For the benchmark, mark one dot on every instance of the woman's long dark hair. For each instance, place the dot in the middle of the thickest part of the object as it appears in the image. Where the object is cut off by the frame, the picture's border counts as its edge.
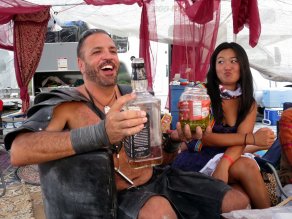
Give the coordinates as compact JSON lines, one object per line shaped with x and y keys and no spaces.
{"x":246,"y":82}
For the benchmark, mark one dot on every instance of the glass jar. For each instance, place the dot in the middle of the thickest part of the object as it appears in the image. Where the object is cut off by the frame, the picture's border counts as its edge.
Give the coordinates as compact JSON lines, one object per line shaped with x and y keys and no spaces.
{"x":194,"y":108}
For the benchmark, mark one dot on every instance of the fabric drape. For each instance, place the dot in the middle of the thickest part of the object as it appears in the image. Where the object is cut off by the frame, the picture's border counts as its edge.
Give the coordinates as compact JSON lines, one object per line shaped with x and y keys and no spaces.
{"x":148,"y":31}
{"x":29,"y":34}
{"x":194,"y":38}
{"x":201,"y":11}
{"x":8,"y":9}
{"x":246,"y":12}
{"x":22,"y":29}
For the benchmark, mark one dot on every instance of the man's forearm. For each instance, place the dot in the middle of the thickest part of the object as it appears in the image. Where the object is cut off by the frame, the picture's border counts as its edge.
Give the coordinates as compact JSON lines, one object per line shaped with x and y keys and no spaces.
{"x":39,"y":147}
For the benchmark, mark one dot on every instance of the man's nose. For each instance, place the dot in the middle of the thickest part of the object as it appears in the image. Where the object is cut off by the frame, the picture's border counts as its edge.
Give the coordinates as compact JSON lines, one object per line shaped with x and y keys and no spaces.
{"x":108,"y":55}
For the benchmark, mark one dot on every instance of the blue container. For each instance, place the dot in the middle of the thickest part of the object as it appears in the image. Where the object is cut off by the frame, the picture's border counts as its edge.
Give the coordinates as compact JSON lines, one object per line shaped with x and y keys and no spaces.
{"x":272,"y":115}
{"x":175,"y":92}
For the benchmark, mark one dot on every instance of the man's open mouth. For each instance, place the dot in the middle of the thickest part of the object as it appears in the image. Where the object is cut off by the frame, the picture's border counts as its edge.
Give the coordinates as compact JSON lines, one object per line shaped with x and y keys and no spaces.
{"x":107,"y":68}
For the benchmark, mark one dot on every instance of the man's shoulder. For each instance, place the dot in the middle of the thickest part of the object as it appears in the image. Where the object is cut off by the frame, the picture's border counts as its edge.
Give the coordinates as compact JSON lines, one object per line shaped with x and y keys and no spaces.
{"x":66,"y":94}
{"x":55,"y":97}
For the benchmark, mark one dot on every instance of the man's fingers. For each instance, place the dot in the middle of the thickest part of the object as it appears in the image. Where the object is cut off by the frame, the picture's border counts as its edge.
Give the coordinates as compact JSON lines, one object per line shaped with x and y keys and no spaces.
{"x":122,"y":101}
{"x":129,"y":123}
{"x":126,"y":115}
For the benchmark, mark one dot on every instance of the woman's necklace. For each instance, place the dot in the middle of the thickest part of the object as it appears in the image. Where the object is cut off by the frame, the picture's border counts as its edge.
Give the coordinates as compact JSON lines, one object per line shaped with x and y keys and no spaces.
{"x":105,"y":107}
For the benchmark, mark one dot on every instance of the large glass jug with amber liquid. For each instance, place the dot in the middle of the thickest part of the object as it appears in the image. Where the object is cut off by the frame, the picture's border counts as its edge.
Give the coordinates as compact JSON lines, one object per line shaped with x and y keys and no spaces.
{"x":144,"y":149}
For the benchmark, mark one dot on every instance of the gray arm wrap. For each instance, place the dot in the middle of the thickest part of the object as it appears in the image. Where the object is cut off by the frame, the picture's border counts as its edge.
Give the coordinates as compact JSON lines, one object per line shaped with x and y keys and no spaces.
{"x":89,"y":138}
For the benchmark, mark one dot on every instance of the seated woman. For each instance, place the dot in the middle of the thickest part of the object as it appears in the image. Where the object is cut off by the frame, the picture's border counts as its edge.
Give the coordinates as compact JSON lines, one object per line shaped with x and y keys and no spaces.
{"x":230,"y":87}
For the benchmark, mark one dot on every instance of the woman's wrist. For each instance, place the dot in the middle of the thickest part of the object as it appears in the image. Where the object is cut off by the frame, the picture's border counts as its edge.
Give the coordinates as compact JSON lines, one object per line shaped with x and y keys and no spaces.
{"x":249,"y":139}
{"x":228,"y":158}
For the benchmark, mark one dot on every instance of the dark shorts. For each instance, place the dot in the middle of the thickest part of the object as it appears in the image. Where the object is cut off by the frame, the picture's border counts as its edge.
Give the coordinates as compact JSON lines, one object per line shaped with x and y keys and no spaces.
{"x":192,"y":195}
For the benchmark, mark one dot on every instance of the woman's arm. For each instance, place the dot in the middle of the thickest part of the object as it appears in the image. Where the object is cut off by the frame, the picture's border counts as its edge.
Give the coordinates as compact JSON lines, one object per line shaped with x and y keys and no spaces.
{"x":231,"y":139}
{"x":236,"y":143}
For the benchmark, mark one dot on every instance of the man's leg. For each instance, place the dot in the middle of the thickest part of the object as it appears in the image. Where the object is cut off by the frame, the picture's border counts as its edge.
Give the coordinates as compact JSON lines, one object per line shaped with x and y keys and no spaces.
{"x":157,"y":207}
{"x":234,"y":200}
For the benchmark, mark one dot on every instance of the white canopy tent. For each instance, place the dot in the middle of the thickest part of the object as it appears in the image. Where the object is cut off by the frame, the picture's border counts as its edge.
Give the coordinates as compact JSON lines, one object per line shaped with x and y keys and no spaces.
{"x":272,"y":57}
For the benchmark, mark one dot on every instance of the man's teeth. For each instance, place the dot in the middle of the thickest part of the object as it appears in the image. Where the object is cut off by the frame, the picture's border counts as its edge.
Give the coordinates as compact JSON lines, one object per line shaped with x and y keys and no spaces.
{"x":107,"y":67}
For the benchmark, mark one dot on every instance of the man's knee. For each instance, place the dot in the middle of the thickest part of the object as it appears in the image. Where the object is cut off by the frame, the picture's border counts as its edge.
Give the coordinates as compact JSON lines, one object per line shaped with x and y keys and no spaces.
{"x":157,"y":207}
{"x":234,"y":200}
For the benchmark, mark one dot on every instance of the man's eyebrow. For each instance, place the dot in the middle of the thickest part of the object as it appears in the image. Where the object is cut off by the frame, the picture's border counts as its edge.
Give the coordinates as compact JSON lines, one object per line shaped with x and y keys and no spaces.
{"x":96,"y":47}
{"x":100,"y":47}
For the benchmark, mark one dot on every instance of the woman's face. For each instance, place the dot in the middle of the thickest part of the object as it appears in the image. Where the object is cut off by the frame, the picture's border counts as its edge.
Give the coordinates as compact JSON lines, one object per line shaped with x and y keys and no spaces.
{"x":228,"y":69}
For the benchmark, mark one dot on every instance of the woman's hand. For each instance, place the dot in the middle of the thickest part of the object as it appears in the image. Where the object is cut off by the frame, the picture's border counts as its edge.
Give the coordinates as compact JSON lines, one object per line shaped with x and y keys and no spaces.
{"x":185,"y":133}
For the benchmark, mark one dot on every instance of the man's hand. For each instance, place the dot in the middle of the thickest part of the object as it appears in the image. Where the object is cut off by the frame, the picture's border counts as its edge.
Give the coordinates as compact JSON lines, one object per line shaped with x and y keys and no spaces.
{"x":119,"y":123}
{"x":264,"y":137}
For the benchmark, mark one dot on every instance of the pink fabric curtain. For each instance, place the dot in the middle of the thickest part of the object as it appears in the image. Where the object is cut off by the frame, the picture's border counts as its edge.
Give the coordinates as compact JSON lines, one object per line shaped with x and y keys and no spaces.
{"x":246,"y":12}
{"x":6,"y":35}
{"x":8,"y":9}
{"x":148,"y":31}
{"x":29,"y":34}
{"x":194,"y":37}
{"x":22,"y":29}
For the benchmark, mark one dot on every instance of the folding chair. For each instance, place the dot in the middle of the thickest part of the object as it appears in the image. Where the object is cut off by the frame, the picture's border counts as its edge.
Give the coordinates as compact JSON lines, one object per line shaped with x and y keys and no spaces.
{"x":270,"y":163}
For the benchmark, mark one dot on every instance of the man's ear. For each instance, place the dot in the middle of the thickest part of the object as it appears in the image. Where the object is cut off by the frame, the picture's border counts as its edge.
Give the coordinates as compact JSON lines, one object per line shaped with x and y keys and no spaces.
{"x":81,"y":64}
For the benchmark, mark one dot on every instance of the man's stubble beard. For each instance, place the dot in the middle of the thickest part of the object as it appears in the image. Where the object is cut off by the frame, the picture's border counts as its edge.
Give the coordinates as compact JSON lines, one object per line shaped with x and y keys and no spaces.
{"x":93,"y":75}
